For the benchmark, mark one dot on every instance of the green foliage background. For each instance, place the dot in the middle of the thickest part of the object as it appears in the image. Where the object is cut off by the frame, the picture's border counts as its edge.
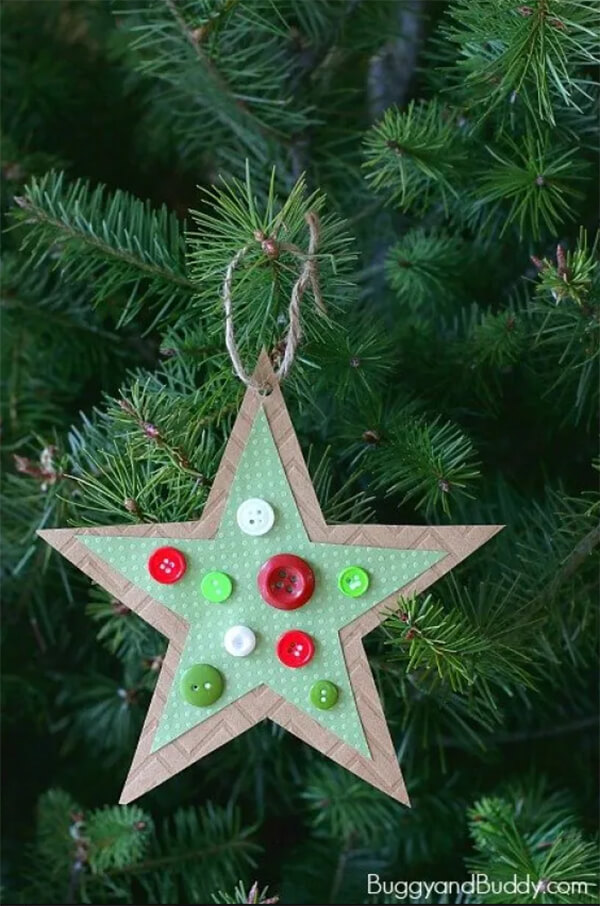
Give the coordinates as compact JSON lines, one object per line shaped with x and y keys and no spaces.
{"x":450,"y":150}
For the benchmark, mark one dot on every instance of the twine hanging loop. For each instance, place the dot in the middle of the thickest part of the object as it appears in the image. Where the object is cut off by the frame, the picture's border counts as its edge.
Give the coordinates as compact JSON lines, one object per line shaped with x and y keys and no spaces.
{"x":309,"y":276}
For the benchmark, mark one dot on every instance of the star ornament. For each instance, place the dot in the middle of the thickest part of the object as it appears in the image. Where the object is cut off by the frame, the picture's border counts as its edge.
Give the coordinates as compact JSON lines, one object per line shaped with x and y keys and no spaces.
{"x":265,"y":606}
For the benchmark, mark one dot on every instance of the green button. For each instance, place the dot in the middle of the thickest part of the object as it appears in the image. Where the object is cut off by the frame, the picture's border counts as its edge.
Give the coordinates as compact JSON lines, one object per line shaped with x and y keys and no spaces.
{"x":324,"y":694}
{"x":353,"y":581}
{"x":216,"y":587}
{"x":201,"y":685}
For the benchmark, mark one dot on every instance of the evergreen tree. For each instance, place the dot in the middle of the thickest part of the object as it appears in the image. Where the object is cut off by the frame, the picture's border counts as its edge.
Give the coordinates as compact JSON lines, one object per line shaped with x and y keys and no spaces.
{"x":450,"y":150}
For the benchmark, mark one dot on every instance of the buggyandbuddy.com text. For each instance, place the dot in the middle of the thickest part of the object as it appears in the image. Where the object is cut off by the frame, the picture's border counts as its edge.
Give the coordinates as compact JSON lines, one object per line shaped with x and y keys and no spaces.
{"x":477,"y":885}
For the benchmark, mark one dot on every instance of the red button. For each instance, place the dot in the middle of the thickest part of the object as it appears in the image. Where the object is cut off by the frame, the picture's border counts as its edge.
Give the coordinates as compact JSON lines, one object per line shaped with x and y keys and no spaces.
{"x":286,"y":581}
{"x":166,"y":565}
{"x":295,"y":648}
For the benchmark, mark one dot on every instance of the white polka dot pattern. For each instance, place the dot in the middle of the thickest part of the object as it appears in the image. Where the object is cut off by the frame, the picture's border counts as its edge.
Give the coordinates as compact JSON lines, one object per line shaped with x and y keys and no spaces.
{"x":260,"y":474}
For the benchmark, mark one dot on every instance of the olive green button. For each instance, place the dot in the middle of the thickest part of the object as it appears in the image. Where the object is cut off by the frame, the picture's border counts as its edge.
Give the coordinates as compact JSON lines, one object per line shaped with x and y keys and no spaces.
{"x":324,"y":694}
{"x":201,"y":685}
{"x":216,"y":587}
{"x":353,"y":581}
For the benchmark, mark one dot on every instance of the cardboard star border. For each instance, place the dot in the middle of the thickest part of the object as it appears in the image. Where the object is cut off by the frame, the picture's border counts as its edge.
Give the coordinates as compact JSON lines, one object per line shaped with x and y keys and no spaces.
{"x":380,"y":767}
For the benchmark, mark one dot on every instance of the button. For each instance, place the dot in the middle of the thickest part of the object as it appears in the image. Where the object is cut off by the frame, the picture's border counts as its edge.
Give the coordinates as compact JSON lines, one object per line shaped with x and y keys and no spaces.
{"x":255,"y":516}
{"x":166,"y":565}
{"x":286,"y":581}
{"x":201,"y":685}
{"x":239,"y":641}
{"x":353,"y":581}
{"x":295,"y":648}
{"x":216,"y":587}
{"x":324,"y":694}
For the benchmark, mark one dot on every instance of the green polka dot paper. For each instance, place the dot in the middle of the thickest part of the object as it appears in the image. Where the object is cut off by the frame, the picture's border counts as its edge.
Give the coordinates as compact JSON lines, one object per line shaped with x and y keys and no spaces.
{"x":260,"y":473}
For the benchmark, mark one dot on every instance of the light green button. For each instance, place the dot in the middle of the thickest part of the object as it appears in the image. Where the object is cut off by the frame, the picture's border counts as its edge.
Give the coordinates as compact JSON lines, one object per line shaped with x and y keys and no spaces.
{"x":216,"y":587}
{"x":353,"y":581}
{"x":324,"y":694}
{"x":201,"y":685}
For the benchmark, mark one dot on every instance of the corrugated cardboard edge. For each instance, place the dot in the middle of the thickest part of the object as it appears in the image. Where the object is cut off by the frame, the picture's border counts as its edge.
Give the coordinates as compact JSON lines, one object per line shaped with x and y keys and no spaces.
{"x":149,"y":769}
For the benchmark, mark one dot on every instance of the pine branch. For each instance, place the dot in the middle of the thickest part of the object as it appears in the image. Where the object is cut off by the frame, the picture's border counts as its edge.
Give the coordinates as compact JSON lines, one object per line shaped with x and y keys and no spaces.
{"x":532,"y":834}
{"x":53,"y":345}
{"x":116,"y":837}
{"x":358,"y":357}
{"x":217,"y":88}
{"x":98,"y":853}
{"x":115,"y":243}
{"x":495,"y":340}
{"x":103,"y":712}
{"x":539,"y":53}
{"x":343,"y":808}
{"x":339,"y":502}
{"x":150,"y":456}
{"x":241,"y":895}
{"x":427,"y":267}
{"x":449,"y":647}
{"x":573,"y":276}
{"x":566,"y":323}
{"x":571,"y":524}
{"x":535,"y":182}
{"x":578,"y":557}
{"x":196,"y":37}
{"x":71,"y":843}
{"x":194,"y":853}
{"x":527,"y":736}
{"x":429,"y":461}
{"x":415,"y":157}
{"x":120,"y":630}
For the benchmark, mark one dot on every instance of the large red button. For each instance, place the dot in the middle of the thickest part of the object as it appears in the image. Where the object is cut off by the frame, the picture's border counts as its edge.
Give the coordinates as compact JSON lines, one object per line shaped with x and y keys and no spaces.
{"x":286,"y":581}
{"x":295,"y":648}
{"x":166,"y":565}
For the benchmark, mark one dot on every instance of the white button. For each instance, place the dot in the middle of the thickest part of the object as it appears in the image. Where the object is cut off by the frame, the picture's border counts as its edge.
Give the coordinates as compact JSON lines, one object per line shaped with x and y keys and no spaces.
{"x":255,"y":516}
{"x":239,"y":641}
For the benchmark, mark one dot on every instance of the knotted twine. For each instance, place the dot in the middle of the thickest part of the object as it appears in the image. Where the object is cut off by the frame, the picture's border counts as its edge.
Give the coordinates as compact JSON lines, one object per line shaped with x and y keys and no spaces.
{"x":309,"y":276}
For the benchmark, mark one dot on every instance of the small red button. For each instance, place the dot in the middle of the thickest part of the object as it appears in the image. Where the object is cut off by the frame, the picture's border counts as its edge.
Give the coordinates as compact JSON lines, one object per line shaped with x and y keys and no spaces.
{"x":166,"y":565}
{"x":295,"y":648}
{"x":286,"y":581}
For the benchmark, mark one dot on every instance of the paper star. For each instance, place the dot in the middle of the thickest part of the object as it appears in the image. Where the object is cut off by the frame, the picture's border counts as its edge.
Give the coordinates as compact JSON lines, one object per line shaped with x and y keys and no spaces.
{"x":326,"y":696}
